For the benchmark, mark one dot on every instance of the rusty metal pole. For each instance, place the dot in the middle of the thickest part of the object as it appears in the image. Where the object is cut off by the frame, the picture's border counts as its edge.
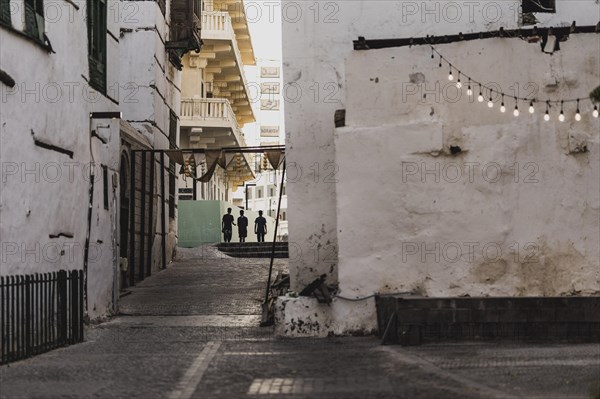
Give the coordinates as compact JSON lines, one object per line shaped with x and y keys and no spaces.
{"x":265,"y":314}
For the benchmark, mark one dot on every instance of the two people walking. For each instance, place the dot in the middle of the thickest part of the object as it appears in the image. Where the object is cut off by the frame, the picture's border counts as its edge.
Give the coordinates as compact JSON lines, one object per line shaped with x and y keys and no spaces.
{"x":227,"y":223}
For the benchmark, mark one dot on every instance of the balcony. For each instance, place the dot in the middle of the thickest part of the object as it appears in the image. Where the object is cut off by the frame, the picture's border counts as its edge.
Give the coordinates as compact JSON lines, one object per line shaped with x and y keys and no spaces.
{"x":211,"y":123}
{"x":211,"y":113}
{"x":219,"y":66}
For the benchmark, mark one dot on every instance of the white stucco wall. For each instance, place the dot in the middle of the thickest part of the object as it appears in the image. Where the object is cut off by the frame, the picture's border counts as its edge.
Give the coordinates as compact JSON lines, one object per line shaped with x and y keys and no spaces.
{"x":44,"y":193}
{"x":317,"y":42}
{"x":516,"y":213}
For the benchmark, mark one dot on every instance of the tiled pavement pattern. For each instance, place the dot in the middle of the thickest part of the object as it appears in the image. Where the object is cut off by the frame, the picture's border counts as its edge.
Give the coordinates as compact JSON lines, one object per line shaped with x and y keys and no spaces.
{"x":190,"y":332}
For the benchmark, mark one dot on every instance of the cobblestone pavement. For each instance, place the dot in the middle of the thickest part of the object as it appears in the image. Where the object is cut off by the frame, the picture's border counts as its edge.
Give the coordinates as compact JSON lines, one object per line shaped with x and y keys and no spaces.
{"x":191,"y":332}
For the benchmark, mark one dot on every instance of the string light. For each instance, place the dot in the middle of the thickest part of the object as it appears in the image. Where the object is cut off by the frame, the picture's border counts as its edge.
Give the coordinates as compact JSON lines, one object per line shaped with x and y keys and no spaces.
{"x":516,"y":111}
{"x":561,"y":117}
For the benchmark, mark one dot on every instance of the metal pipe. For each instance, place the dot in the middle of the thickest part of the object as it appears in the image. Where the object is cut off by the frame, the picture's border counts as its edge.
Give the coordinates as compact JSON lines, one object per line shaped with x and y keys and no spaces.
{"x":275,"y":236}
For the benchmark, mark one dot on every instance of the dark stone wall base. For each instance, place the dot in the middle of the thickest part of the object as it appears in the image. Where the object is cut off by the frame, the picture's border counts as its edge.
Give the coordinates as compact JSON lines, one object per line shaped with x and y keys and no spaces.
{"x":416,"y":320}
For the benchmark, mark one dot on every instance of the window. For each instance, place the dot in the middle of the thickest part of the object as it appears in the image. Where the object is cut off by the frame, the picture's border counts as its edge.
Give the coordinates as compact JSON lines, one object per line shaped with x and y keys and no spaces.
{"x":271,"y":191}
{"x":283,"y":190}
{"x":259,"y":192}
{"x":34,"y":19}
{"x":548,"y":6}
{"x":96,"y":21}
{"x":249,"y":191}
{"x":283,"y":215}
{"x":5,"y":12}
{"x":105,"y":184}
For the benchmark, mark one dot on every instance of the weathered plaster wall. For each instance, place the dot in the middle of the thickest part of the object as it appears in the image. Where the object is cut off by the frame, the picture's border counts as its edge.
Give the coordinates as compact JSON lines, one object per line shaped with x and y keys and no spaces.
{"x":150,"y":89}
{"x":317,"y":40}
{"x":44,"y":193}
{"x":515,"y":213}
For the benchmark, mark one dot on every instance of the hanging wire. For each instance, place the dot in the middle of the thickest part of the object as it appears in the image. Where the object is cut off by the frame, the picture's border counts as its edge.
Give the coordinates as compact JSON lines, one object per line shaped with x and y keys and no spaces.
{"x":517,"y":98}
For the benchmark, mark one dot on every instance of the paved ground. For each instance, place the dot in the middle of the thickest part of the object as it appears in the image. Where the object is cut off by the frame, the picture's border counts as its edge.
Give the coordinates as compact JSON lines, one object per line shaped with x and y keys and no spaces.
{"x":191,"y":332}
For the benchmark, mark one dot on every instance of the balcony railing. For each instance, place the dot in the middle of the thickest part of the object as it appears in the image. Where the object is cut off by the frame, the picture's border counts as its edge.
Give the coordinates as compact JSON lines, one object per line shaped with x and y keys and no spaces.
{"x":216,"y":112}
{"x":217,"y":25}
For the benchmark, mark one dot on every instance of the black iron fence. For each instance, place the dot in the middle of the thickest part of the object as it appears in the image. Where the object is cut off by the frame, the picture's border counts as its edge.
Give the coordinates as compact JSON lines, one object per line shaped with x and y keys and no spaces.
{"x":40,"y":312}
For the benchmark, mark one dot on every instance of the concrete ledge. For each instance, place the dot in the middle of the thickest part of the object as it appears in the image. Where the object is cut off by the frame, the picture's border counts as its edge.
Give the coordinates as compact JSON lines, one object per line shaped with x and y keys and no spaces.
{"x":305,"y":317}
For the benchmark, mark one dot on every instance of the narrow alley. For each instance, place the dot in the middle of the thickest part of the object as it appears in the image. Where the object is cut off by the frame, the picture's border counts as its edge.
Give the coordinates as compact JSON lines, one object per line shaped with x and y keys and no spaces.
{"x":191,"y":331}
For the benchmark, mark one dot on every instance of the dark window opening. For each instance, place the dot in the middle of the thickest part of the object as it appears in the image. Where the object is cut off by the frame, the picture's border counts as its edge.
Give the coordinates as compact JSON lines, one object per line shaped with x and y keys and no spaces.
{"x":34,"y":19}
{"x":162,"y":4}
{"x":548,"y":6}
{"x":105,"y":183}
{"x":5,"y":12}
{"x":172,"y":176}
{"x":96,"y":21}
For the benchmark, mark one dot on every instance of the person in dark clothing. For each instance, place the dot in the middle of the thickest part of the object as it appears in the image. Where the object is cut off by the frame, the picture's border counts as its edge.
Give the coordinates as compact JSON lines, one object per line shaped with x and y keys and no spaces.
{"x":242,"y":226}
{"x":260,"y":227}
{"x":226,"y":225}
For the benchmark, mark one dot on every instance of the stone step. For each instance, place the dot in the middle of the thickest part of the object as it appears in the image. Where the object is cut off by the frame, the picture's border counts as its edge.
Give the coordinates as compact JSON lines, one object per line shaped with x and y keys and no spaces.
{"x":251,"y":244}
{"x":254,"y":249}
{"x":263,"y":254}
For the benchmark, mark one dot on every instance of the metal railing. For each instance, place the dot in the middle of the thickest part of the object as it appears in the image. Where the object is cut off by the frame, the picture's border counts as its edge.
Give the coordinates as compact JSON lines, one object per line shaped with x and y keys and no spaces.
{"x":40,"y":312}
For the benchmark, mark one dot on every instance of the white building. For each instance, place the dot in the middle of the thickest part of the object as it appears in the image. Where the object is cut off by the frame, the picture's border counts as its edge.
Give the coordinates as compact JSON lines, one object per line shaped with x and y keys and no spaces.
{"x":91,"y":84}
{"x":262,"y":193}
{"x":264,"y":196}
{"x":215,"y":103}
{"x":377,"y":233}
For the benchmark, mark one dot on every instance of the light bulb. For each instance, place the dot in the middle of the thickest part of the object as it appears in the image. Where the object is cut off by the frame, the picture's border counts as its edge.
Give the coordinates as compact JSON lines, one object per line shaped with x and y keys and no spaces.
{"x":516,"y":111}
{"x":450,"y":76}
{"x":490,"y":103}
{"x":561,"y":117}
{"x":469,"y":91}
{"x":595,"y":112}
{"x":502,"y":108}
{"x":547,"y":117}
{"x":480,"y":98}
{"x":578,"y":116}
{"x":531,"y":108}
{"x":459,"y":84}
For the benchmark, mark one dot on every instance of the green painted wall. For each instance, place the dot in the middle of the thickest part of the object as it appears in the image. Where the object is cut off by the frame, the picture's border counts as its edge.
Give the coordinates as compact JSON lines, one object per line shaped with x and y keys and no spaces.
{"x":200,"y":223}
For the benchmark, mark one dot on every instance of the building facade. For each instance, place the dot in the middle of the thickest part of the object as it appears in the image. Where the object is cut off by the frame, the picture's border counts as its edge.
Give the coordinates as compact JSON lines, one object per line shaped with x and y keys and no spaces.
{"x":377,"y":233}
{"x":103,"y":81}
{"x":216,"y":100}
